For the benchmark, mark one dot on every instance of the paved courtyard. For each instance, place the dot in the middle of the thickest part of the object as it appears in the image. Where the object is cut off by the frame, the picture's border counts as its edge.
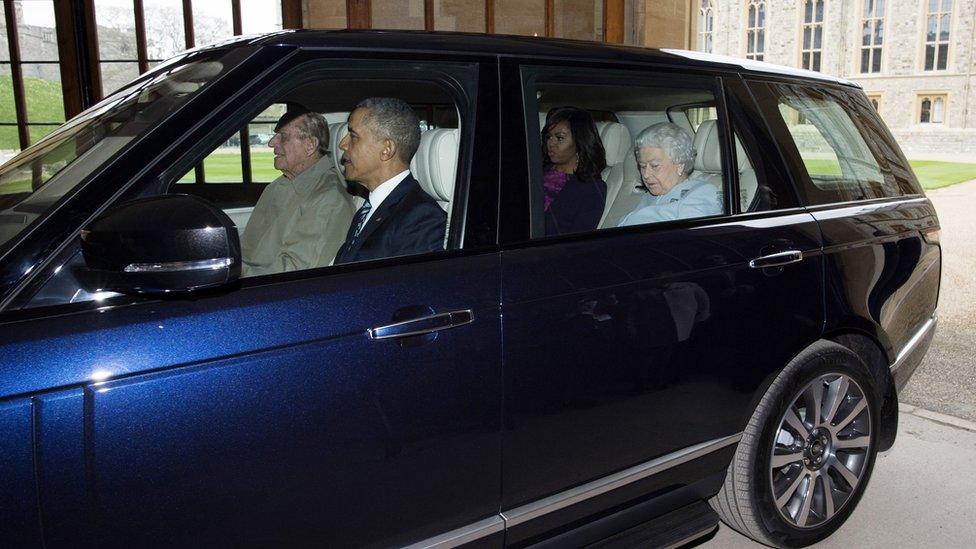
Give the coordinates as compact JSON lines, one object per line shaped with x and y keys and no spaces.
{"x":919,"y":496}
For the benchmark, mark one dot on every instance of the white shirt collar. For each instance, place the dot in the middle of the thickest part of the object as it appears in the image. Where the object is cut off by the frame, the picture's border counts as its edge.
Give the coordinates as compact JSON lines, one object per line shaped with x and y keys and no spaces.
{"x":380,"y":193}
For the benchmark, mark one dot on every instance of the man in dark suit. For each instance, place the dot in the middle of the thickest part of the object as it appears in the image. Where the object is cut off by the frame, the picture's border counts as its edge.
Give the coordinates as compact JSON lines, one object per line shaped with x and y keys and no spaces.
{"x":398,"y":218}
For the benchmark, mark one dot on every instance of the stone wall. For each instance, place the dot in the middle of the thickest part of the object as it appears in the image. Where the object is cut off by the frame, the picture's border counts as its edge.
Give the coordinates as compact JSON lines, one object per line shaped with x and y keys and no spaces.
{"x":902,"y":78}
{"x":924,"y":142}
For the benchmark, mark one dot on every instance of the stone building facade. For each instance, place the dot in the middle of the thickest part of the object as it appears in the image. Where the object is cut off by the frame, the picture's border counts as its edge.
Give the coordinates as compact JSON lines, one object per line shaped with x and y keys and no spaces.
{"x":917,"y":62}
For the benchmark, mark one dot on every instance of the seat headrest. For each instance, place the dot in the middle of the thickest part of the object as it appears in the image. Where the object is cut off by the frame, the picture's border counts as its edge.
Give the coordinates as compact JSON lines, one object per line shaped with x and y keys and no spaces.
{"x":708,"y":152}
{"x":336,"y":132}
{"x":435,"y":163}
{"x":616,"y":141}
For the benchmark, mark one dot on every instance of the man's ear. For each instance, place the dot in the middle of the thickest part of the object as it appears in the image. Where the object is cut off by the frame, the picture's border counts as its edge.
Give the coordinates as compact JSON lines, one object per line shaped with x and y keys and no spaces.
{"x":311,"y":145}
{"x":389,"y":149}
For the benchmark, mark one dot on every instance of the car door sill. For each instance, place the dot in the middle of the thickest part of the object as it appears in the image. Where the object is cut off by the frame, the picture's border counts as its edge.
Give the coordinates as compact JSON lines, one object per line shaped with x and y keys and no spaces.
{"x":530,"y":511}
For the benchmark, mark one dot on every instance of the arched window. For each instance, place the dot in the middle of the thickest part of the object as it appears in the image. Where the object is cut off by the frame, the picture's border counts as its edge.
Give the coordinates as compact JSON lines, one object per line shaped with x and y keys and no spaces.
{"x":938,"y":110}
{"x":813,"y":23}
{"x":706,"y":25}
{"x":932,"y":108}
{"x":755,"y":29}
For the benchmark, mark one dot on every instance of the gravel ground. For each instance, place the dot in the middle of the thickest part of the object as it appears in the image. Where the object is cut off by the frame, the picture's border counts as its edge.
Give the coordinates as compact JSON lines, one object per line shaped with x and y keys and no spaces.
{"x":945,"y":381}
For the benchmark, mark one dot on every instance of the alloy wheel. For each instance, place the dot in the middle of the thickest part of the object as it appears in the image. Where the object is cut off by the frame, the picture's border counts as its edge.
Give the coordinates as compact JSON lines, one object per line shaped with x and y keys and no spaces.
{"x":820,"y":451}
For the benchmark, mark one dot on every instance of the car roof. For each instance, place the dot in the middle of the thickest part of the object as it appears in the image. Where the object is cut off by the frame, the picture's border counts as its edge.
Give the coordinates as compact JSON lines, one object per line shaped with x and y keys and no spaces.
{"x":522,"y":46}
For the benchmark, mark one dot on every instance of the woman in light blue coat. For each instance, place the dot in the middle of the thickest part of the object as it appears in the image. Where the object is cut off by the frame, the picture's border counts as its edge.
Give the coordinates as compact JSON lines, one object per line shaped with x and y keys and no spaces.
{"x":666,"y":156}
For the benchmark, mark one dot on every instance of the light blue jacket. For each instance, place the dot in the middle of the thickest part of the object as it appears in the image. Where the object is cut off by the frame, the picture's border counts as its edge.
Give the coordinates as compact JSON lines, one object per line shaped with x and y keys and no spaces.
{"x":690,"y":198}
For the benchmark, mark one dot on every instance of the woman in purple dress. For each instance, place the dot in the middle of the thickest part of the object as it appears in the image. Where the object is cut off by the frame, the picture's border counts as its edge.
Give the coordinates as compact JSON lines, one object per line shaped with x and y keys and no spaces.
{"x":573,"y":157}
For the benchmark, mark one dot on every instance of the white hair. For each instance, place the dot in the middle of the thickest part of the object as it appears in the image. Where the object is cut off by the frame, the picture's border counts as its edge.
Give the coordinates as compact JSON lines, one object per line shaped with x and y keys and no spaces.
{"x":673,"y":140}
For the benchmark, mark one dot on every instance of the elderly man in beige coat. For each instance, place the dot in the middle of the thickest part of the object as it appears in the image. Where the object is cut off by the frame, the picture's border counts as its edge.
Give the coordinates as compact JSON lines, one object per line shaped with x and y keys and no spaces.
{"x":301,"y":219}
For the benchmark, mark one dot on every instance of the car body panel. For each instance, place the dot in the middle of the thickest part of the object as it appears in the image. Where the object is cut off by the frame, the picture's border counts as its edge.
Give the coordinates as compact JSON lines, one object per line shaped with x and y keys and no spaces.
{"x":251,"y":406}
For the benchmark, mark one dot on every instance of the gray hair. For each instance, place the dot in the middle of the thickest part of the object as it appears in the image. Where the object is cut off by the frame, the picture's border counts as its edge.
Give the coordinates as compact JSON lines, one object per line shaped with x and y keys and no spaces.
{"x":314,"y":125}
{"x":394,"y":119}
{"x":673,"y":139}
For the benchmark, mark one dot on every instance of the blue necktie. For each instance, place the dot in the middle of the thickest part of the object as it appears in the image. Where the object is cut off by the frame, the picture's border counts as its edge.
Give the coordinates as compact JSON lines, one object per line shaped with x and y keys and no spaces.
{"x":361,"y":217}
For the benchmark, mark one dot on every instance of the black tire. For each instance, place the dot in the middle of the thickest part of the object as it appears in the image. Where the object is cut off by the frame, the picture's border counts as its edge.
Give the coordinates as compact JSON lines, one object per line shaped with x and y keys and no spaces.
{"x":748,"y":502}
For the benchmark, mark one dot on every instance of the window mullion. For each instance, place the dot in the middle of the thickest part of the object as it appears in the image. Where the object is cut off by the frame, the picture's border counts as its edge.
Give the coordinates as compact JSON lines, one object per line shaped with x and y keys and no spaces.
{"x":188,"y":34}
{"x":236,"y":11}
{"x":550,"y":18}
{"x":140,"y":16}
{"x":17,"y":74}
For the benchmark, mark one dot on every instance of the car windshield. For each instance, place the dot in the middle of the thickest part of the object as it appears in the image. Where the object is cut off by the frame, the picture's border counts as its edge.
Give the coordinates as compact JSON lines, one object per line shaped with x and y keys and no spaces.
{"x":32,"y":182}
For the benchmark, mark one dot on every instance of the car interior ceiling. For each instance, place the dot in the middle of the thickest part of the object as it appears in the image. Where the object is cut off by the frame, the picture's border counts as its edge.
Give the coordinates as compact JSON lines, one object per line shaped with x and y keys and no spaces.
{"x":618,"y":98}
{"x":343,"y":95}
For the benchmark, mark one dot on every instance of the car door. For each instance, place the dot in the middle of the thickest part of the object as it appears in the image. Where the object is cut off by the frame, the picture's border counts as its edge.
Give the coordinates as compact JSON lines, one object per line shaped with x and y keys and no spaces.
{"x":880,"y":233}
{"x":348,"y":405}
{"x":633,"y":355}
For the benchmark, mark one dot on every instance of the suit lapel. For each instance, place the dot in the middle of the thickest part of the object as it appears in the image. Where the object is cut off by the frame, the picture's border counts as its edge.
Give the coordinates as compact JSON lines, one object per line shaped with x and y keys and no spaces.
{"x":380,"y":215}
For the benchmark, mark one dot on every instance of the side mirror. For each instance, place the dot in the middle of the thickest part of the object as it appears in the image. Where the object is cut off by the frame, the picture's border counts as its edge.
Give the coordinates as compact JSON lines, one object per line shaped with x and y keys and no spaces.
{"x":160,"y":244}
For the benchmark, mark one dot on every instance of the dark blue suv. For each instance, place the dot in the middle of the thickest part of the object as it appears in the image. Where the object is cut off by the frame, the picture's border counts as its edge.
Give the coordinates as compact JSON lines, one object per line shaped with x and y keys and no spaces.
{"x":630,"y":381}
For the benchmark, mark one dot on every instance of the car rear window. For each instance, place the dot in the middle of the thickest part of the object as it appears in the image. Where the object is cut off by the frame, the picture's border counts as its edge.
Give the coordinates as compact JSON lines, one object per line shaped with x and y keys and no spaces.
{"x":845,"y":155}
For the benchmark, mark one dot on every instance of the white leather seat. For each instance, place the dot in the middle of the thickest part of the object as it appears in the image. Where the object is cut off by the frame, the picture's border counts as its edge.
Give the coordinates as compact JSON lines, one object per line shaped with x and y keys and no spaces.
{"x":435,"y":165}
{"x":708,"y":163}
{"x":748,"y":184}
{"x":336,"y":132}
{"x":619,"y":149}
{"x":708,"y":155}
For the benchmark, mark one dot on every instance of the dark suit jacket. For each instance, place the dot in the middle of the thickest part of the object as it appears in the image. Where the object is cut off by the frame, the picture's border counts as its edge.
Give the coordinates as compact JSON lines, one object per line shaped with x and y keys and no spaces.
{"x":577,"y":208}
{"x":408,"y":222}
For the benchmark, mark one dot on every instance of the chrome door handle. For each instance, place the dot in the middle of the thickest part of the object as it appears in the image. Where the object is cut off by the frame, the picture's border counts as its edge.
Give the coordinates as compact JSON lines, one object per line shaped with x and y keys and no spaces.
{"x":776,"y":260}
{"x":422,"y":325}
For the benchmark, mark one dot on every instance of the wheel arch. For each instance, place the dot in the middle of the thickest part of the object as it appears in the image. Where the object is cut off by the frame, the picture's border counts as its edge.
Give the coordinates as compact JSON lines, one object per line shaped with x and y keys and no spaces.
{"x":872,"y":354}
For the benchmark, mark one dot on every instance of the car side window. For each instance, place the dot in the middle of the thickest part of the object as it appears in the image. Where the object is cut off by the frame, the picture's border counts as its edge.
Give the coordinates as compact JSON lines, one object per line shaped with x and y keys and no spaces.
{"x":818,"y":128}
{"x":754,"y":193}
{"x":234,"y":174}
{"x":291,"y":172}
{"x":315,"y":189}
{"x":607,"y":155}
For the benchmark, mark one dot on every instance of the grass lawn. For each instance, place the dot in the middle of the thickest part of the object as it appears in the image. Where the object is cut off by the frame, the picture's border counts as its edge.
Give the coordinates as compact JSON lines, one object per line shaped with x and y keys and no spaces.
{"x":225,"y":167}
{"x":933,"y":174}
{"x":44,"y":104}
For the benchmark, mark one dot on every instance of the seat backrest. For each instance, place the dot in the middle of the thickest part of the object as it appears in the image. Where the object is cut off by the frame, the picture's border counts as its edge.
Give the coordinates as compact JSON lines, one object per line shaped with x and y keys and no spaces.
{"x":708,"y":163}
{"x":708,"y":154}
{"x":619,"y":149}
{"x":336,"y":132}
{"x":435,"y":165}
{"x":748,"y":184}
